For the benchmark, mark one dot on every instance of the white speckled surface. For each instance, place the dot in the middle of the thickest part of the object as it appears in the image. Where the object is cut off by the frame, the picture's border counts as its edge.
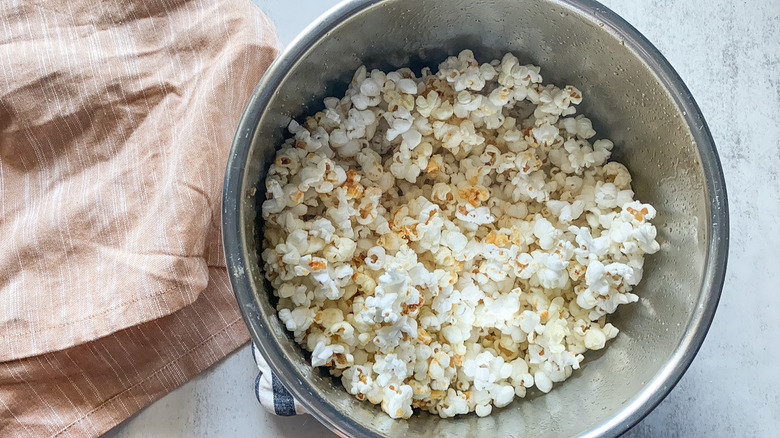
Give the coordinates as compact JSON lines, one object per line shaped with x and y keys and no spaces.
{"x":728,"y":53}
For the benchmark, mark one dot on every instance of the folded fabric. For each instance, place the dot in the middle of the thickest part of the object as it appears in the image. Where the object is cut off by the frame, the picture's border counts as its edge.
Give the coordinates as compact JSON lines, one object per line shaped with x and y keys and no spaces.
{"x":115,"y":124}
{"x":270,"y":392}
{"x":116,"y":119}
{"x":85,"y":390}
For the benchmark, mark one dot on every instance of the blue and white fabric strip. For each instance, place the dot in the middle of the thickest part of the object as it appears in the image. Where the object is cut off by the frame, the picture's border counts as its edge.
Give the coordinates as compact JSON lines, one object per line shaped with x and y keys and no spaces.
{"x":270,"y":392}
{"x":284,"y":404}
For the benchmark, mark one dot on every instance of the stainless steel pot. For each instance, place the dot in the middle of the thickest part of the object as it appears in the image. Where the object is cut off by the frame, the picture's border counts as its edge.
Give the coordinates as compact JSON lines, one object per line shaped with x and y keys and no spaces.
{"x":633,"y":96}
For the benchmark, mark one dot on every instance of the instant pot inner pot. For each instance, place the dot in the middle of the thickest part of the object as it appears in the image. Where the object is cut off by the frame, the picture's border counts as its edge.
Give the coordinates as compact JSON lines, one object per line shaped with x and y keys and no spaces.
{"x":626,"y":102}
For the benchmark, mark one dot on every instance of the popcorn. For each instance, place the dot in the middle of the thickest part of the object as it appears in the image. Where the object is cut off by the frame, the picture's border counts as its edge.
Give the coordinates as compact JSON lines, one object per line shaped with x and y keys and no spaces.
{"x":545,"y":232}
{"x":477,"y":216}
{"x":618,"y":174}
{"x":323,"y":353}
{"x":397,"y":401}
{"x":375,"y":258}
{"x":407,"y":86}
{"x":370,"y":87}
{"x":545,"y":134}
{"x":543,"y":381}
{"x":565,"y":211}
{"x":341,"y":249}
{"x":595,"y":339}
{"x":438,"y":253}
{"x":645,"y":238}
{"x":298,"y":320}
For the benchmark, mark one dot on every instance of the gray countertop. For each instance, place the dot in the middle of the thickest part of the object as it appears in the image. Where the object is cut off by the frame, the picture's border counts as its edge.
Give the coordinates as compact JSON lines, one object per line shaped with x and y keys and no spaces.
{"x":728,"y":53}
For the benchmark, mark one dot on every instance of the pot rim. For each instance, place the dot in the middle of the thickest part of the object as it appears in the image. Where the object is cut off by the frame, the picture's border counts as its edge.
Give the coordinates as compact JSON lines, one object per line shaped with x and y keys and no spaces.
{"x":718,"y":219}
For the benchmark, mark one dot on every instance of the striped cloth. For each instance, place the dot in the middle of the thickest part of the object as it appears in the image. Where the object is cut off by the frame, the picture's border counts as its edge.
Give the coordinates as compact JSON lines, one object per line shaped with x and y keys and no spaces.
{"x":116,"y":119}
{"x":270,"y":392}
